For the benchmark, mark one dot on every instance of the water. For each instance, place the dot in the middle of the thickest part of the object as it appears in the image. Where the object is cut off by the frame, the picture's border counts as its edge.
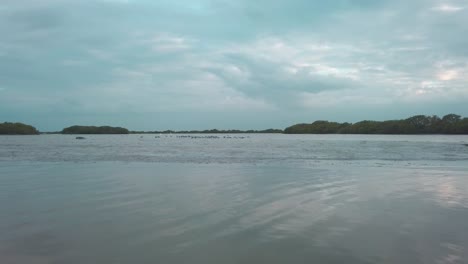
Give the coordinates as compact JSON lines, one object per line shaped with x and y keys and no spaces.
{"x":260,"y":199}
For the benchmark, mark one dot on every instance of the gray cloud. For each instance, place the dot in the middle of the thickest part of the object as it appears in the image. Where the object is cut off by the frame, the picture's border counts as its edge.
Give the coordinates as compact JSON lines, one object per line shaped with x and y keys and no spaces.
{"x":107,"y":57}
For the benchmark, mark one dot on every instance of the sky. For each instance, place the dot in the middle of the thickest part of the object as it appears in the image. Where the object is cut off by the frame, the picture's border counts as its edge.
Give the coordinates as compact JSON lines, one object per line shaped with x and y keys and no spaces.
{"x":230,"y":64}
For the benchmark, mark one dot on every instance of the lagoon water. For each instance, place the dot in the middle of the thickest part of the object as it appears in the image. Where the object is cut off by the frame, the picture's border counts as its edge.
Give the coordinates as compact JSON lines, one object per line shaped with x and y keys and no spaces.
{"x":259,"y":199}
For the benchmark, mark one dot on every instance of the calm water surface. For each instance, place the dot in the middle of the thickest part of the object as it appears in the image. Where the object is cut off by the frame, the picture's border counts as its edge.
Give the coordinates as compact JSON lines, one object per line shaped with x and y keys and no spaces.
{"x":258,"y":199}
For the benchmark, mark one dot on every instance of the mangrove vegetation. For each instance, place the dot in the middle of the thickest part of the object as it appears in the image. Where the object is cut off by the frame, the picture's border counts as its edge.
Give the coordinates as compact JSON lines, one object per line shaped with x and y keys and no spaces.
{"x":94,"y":130}
{"x":420,"y":124}
{"x":17,"y":129}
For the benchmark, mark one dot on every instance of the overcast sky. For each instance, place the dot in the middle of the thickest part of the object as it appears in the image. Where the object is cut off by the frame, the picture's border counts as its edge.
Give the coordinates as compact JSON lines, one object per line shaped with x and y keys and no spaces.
{"x":197,"y":64}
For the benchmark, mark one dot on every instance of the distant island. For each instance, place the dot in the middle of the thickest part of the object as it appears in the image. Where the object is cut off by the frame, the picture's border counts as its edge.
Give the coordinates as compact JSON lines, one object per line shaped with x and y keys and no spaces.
{"x":94,"y":130}
{"x":420,"y":124}
{"x":17,"y":129}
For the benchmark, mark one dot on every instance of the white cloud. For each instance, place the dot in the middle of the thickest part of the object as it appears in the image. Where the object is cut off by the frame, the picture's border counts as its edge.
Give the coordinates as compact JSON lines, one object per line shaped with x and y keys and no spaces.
{"x":325,"y":70}
{"x":298,"y":54}
{"x":447,"y":75}
{"x":448,"y":8}
{"x":170,"y":43}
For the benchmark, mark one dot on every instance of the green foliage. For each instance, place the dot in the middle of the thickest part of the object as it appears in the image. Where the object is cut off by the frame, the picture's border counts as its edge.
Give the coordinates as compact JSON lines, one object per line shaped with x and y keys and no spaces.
{"x":318,"y":127}
{"x":17,"y":129}
{"x":94,"y":130}
{"x":420,"y":124}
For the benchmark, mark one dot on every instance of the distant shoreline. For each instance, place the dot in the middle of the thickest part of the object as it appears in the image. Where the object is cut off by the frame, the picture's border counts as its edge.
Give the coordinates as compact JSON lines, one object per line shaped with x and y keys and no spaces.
{"x":451,"y":124}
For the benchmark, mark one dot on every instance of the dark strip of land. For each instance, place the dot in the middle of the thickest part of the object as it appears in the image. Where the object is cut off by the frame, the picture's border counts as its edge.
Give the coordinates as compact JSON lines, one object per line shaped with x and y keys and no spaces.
{"x":451,"y":124}
{"x":95,"y":130}
{"x":8,"y":128}
{"x":420,"y":124}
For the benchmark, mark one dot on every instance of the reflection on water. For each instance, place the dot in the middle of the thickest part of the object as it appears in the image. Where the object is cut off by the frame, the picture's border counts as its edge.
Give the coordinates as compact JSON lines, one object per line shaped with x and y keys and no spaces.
{"x":187,"y":213}
{"x":252,"y":205}
{"x":450,"y":194}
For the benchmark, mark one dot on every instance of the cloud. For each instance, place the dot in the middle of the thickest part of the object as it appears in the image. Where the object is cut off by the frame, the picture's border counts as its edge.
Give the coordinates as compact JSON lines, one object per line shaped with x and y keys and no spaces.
{"x":330,"y":99}
{"x":448,"y":8}
{"x":169,"y":43}
{"x":204,"y":93}
{"x":146,"y":56}
{"x":447,"y":75}
{"x":274,"y":63}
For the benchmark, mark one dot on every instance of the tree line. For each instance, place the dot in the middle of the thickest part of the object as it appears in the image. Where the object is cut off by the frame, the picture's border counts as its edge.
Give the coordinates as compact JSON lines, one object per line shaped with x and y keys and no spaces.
{"x":8,"y":128}
{"x":419,"y":124}
{"x":94,"y":130}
